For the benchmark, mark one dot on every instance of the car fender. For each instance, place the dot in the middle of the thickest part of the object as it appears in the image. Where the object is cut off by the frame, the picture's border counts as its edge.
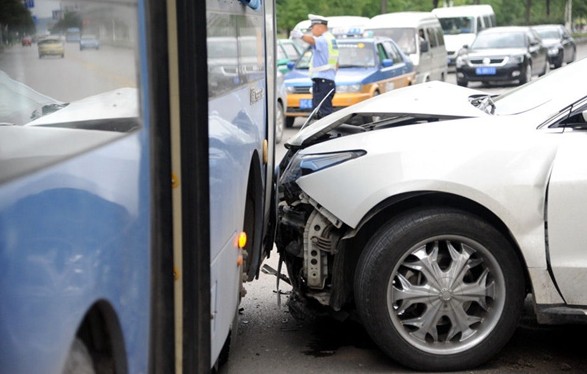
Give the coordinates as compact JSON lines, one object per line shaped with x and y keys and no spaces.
{"x":395,"y":165}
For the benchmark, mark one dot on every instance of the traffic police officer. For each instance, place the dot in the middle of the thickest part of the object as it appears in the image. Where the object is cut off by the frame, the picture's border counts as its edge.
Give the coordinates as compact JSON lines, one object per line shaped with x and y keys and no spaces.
{"x":324,"y":62}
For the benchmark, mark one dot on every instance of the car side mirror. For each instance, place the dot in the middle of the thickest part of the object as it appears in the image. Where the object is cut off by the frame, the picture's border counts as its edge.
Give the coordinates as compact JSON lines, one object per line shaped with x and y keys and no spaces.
{"x":290,"y":65}
{"x":387,"y":62}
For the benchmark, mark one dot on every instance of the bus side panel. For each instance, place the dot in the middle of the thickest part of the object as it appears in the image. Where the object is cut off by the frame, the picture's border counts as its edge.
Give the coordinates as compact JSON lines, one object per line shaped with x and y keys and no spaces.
{"x":237,"y":128}
{"x":72,"y":235}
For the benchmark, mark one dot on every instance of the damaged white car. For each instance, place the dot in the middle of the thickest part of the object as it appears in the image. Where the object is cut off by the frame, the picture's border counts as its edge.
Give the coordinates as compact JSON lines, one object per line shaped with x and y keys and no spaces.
{"x":430,"y":213}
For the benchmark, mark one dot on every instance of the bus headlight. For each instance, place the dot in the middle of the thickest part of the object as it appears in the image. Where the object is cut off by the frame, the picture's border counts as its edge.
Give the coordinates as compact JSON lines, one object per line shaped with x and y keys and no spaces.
{"x":347,"y":88}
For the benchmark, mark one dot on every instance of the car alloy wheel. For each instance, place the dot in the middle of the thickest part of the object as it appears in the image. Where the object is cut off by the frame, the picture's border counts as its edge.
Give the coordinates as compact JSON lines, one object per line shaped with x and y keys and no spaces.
{"x":439,"y":289}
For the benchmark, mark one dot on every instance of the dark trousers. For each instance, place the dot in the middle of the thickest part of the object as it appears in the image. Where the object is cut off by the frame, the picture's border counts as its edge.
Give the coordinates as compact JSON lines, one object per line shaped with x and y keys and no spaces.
{"x":321,"y":88}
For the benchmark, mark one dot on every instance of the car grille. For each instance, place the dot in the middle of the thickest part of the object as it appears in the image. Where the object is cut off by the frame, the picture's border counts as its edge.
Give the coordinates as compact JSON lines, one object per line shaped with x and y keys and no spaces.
{"x":488,"y":61}
{"x":301,"y":89}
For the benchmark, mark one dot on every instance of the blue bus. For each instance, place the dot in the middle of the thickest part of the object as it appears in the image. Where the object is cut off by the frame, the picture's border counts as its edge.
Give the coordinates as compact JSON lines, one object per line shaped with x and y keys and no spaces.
{"x":136,"y":195}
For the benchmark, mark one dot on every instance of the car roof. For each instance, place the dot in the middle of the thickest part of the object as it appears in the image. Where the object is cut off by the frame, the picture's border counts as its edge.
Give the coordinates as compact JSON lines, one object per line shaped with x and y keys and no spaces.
{"x":502,"y":29}
{"x":463,"y":10}
{"x":372,"y":39}
{"x":401,"y":19}
{"x":548,"y":26}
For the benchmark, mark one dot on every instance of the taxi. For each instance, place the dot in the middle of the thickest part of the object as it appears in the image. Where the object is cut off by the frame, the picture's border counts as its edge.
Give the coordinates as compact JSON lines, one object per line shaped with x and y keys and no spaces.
{"x":367,"y":67}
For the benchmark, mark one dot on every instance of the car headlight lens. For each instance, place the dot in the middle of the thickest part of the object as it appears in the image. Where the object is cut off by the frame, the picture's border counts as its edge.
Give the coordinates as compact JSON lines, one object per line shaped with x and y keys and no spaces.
{"x":348,"y":88}
{"x":290,"y":89}
{"x":517,"y":59}
{"x":553,"y":51}
{"x":301,"y":165}
{"x":460,"y":61}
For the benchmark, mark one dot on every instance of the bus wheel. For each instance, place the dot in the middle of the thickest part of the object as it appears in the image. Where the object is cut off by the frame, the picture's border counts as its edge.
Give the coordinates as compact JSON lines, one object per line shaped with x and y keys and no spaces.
{"x":79,"y":360}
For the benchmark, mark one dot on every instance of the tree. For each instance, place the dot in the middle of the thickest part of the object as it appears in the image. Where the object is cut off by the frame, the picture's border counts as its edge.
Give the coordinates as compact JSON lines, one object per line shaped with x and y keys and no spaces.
{"x":15,"y":18}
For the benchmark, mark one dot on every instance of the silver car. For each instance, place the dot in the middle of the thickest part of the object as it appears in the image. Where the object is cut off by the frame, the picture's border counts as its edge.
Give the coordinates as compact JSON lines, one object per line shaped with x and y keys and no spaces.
{"x":432,"y":212}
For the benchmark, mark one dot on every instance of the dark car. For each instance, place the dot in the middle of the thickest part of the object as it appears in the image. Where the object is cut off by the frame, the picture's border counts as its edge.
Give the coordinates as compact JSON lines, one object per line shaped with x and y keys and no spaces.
{"x":503,"y":54}
{"x":561,"y":45}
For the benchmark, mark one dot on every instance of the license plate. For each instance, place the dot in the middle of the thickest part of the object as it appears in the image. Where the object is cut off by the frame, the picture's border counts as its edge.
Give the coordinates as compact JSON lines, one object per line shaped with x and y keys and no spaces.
{"x":486,"y":70}
{"x":305,"y":103}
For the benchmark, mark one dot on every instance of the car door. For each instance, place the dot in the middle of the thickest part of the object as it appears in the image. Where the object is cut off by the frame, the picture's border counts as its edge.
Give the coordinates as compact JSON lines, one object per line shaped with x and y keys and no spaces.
{"x":537,"y":51}
{"x":568,"y":45}
{"x":566,"y":213}
{"x":398,"y":74}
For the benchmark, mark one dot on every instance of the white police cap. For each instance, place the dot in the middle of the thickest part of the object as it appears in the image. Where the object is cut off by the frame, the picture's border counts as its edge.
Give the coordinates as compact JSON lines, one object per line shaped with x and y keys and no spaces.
{"x":316,"y":19}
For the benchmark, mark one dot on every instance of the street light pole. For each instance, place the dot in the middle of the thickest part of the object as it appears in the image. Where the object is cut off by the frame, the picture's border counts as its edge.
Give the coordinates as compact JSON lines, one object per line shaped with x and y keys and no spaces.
{"x":569,"y":15}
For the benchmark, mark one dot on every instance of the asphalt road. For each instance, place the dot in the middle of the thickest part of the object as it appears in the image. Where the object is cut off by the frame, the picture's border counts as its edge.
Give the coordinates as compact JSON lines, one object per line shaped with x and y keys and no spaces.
{"x":269,"y":340}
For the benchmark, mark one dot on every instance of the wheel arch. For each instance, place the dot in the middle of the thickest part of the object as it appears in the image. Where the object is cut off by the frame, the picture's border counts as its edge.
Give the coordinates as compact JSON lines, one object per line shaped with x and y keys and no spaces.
{"x":253,"y":216}
{"x":101,"y":332}
{"x":396,"y":205}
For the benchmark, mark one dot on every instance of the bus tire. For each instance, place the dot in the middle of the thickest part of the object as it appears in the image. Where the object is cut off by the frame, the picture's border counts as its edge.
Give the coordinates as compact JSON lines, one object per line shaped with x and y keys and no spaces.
{"x":79,"y":360}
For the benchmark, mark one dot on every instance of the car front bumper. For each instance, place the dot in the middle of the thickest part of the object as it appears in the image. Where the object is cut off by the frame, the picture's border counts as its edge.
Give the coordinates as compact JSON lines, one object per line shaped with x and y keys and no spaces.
{"x":479,"y":73}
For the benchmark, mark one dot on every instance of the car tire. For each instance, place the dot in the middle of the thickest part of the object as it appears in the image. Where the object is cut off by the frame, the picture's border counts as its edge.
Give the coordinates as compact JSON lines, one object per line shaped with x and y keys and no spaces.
{"x":574,"y":56}
{"x":462,"y":82}
{"x":79,"y":360}
{"x":546,"y":69}
{"x":279,"y":122}
{"x":289,"y":122}
{"x":439,"y":289}
{"x":527,"y":76}
{"x":559,"y":62}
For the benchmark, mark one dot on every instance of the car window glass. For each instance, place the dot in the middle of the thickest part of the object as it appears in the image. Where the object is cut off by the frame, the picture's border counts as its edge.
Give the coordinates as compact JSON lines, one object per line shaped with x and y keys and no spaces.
{"x":431,"y":37}
{"x":60,"y":91}
{"x":404,"y":37}
{"x":290,"y":51}
{"x":382,"y":52}
{"x":356,"y":54}
{"x":393,"y":52}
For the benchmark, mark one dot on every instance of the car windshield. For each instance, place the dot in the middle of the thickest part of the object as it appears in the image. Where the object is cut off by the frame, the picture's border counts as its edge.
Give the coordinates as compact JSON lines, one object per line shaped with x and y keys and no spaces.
{"x":404,"y":37}
{"x":499,"y":40}
{"x":288,"y":50}
{"x":457,"y":25}
{"x":50,"y":41}
{"x":355,"y":54}
{"x":548,"y":33}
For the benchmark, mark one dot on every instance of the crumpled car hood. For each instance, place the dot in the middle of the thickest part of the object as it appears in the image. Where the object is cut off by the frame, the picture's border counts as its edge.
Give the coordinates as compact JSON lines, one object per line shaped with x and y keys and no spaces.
{"x":431,"y":98}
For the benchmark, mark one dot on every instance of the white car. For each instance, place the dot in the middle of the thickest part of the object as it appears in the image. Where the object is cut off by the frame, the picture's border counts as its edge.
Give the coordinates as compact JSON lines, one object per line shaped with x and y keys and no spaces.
{"x":437,"y":220}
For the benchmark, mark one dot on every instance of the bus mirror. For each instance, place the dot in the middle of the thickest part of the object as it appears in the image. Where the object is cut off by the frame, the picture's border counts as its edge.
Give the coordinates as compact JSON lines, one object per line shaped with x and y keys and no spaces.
{"x":387,"y":62}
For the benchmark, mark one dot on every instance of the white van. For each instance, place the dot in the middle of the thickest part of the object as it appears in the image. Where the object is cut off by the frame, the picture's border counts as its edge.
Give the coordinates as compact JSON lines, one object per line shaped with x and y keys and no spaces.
{"x":461,"y":24}
{"x":420,"y":36}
